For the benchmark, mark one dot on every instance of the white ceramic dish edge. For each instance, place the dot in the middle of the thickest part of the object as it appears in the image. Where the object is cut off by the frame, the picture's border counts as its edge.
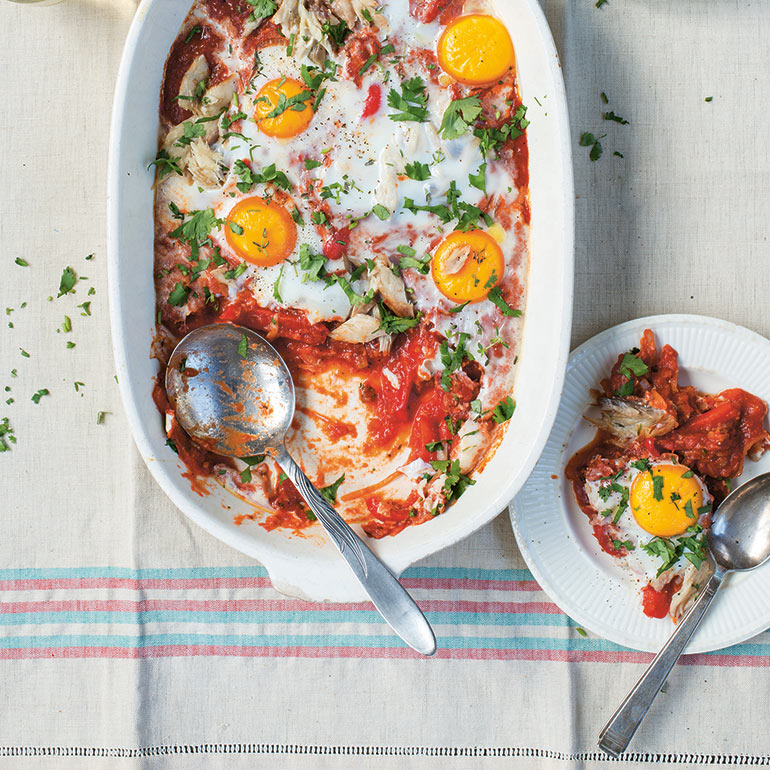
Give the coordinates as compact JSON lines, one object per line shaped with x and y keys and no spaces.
{"x":307,"y":566}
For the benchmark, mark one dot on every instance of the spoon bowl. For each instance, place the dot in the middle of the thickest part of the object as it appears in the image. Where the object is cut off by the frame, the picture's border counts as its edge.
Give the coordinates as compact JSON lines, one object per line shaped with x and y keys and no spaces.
{"x":739,"y":540}
{"x":233,"y":393}
{"x":231,"y":390}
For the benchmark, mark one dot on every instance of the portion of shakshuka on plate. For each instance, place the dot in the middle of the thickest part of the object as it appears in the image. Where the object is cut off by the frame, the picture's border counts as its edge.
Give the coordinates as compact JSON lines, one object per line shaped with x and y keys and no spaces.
{"x":662,"y":459}
{"x":350,"y":179}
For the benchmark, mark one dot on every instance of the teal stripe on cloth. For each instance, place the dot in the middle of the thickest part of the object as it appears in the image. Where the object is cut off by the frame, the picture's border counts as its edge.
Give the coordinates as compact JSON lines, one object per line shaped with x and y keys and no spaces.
{"x":176,"y":573}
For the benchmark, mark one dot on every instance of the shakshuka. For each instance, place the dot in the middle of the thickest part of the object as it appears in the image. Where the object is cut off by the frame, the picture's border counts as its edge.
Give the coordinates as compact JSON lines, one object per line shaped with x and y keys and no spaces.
{"x":349,"y":178}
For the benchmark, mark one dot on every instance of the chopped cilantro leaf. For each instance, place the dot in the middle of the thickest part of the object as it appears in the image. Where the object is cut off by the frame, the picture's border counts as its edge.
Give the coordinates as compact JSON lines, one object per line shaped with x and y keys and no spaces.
{"x":178,"y":295}
{"x":504,"y":410}
{"x":495,"y":296}
{"x":411,"y":102}
{"x":330,"y":492}
{"x":417,"y":170}
{"x":243,"y":346}
{"x":68,"y":279}
{"x":39,"y":394}
{"x":459,"y":116}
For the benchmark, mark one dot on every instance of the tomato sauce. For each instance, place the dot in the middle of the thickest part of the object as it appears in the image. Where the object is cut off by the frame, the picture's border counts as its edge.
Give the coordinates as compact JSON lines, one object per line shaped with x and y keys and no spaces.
{"x":656,"y":603}
{"x":394,"y":384}
{"x":204,"y":42}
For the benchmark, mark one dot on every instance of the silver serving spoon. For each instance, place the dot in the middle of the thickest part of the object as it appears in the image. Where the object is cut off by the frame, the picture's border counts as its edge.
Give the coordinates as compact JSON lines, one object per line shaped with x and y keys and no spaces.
{"x":233,"y":393}
{"x":739,"y":540}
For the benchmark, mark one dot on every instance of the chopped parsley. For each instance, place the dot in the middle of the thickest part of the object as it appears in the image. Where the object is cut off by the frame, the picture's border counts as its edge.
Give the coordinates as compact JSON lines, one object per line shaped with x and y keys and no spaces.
{"x":249,"y":177}
{"x":411,"y":102}
{"x":296,"y":103}
{"x":178,"y":295}
{"x":657,"y":487}
{"x":692,"y":547}
{"x":277,"y":287}
{"x":420,"y":264}
{"x":311,"y":164}
{"x":380,"y":211}
{"x":312,"y":264}
{"x":165,"y":164}
{"x":632,"y":366}
{"x":504,"y":410}
{"x":6,"y":435}
{"x":67,"y":281}
{"x":459,"y":116}
{"x":195,"y":229}
{"x":417,"y":170}
{"x":330,"y":492}
{"x":616,"y":118}
{"x":250,"y":462}
{"x":100,"y":417}
{"x":456,"y":482}
{"x":491,"y":138}
{"x":192,"y":130}
{"x":641,"y":465}
{"x":452,"y":359}
{"x":495,"y":296}
{"x":39,"y":394}
{"x":336,"y":32}
{"x":587,"y":139}
{"x":21,"y":262}
{"x":393,"y":324}
{"x":479,"y":180}
{"x":263,"y":9}
{"x":243,"y":346}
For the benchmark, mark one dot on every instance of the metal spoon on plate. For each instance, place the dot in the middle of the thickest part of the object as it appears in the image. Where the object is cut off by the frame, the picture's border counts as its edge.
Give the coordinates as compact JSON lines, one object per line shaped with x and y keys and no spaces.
{"x":739,"y":540}
{"x":233,"y":393}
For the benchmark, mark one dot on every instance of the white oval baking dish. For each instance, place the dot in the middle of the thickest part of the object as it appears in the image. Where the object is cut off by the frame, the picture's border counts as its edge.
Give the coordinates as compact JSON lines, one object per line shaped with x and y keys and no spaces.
{"x":309,"y":566}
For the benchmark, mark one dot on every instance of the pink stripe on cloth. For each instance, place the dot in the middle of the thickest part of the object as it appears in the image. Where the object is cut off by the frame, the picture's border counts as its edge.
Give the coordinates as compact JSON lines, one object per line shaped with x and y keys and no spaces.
{"x":262,"y":605}
{"x":565,"y":656}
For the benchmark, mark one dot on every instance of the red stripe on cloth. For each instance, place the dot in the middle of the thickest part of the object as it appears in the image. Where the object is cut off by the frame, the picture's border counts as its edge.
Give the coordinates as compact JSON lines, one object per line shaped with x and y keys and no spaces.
{"x":562,"y":656}
{"x":261,"y":605}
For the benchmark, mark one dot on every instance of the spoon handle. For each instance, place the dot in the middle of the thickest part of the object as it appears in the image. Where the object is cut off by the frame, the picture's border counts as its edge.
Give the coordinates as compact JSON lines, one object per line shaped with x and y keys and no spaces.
{"x":388,"y":595}
{"x":617,"y":733}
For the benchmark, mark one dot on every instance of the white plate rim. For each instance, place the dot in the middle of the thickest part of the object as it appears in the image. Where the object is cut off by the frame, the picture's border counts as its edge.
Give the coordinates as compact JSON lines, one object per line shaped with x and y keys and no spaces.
{"x":705,"y":639}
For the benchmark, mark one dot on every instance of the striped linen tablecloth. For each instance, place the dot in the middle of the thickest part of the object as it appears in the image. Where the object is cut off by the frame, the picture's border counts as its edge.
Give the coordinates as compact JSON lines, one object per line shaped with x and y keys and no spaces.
{"x":131,"y":639}
{"x":166,"y":667}
{"x":122,"y":613}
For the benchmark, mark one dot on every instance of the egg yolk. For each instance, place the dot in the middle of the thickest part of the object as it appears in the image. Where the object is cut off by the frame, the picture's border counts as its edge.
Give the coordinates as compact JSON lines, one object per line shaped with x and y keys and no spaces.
{"x":278,"y":110}
{"x":261,"y":232}
{"x":476,"y":49}
{"x":466,"y":266}
{"x":664,"y":501}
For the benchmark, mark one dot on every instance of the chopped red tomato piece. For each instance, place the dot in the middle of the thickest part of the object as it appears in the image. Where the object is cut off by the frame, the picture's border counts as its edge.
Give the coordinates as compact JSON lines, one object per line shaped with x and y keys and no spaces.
{"x":373,"y":100}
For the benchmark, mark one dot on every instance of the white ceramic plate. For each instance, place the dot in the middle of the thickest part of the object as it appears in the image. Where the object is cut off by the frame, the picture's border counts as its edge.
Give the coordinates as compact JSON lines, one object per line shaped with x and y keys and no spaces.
{"x":554,"y":534}
{"x":309,"y":566}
